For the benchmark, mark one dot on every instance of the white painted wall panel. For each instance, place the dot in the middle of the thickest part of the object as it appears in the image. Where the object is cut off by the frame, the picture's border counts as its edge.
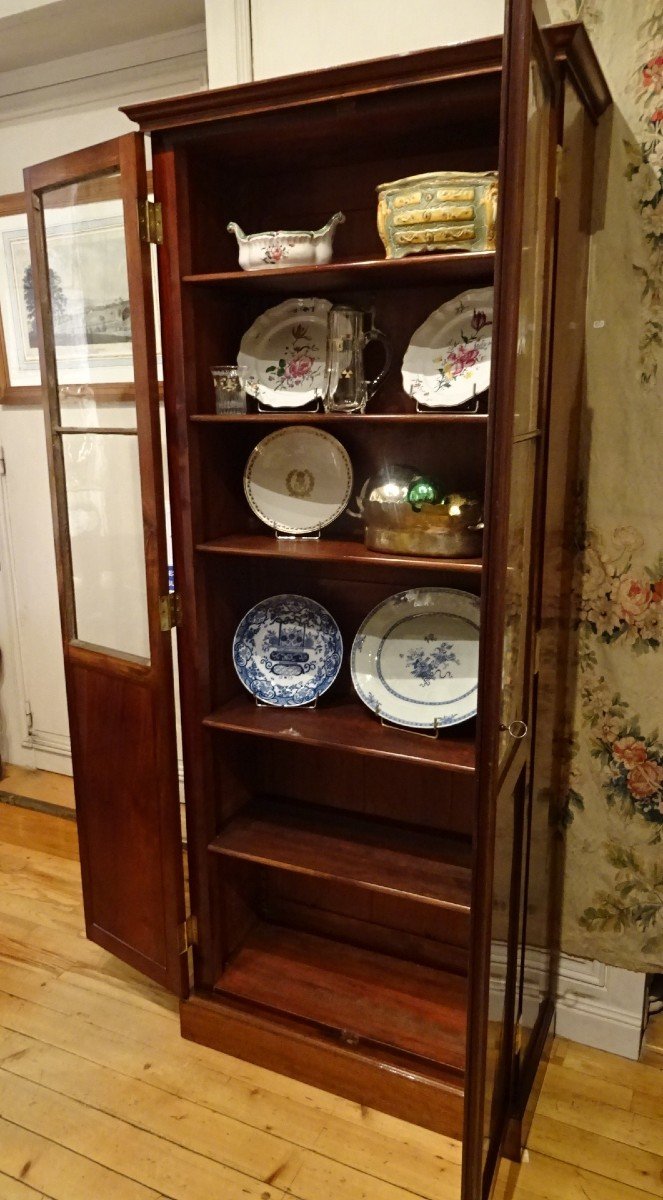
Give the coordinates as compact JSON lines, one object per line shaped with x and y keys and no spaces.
{"x":293,"y":35}
{"x":29,"y":516}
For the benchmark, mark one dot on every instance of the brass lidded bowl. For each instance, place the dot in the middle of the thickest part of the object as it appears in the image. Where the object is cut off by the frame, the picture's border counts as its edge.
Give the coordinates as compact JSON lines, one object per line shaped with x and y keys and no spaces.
{"x":394,"y":525}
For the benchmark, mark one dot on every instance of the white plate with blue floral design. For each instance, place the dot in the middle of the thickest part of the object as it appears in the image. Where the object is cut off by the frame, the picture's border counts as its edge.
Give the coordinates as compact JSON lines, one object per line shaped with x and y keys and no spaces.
{"x":415,"y":658}
{"x":448,"y":359}
{"x":283,"y":356}
{"x":287,"y":651}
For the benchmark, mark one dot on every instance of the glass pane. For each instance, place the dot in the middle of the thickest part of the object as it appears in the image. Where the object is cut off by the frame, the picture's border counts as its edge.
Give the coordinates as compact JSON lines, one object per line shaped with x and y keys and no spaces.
{"x":83,"y":406}
{"x":517,"y":586}
{"x":533,"y":255}
{"x":508,"y":817}
{"x":89,"y":294}
{"x":530,"y":378}
{"x":530,"y":364}
{"x":102,"y":481}
{"x":536,"y":956}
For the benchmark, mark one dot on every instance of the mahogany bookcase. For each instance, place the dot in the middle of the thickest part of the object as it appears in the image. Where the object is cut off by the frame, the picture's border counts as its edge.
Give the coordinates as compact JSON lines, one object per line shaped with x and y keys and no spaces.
{"x":373,"y":911}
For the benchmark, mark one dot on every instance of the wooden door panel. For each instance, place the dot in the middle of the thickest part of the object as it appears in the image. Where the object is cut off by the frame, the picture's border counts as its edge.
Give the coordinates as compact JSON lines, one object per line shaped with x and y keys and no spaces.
{"x":119,"y":828}
{"x":91,"y":279}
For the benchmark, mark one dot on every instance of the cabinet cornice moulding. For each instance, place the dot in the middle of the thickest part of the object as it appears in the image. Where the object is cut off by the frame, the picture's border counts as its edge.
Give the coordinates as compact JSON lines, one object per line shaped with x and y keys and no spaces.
{"x":112,"y":72}
{"x":568,"y":42}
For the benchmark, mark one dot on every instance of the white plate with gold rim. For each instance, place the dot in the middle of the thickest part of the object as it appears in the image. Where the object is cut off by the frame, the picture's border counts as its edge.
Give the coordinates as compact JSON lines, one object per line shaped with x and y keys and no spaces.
{"x":298,"y":479}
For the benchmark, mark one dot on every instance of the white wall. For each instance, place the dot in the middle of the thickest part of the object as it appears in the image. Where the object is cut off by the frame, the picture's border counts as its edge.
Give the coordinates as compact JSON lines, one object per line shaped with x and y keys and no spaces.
{"x":45,"y":111}
{"x":289,"y":36}
{"x":228,"y":26}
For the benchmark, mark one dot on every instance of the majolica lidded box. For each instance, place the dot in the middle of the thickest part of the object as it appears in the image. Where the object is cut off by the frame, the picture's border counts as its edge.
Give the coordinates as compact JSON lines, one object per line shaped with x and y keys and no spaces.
{"x":440,"y":210}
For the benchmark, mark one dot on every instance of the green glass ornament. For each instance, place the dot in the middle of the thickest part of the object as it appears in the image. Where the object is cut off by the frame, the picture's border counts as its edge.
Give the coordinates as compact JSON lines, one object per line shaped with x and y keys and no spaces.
{"x":423,"y":491}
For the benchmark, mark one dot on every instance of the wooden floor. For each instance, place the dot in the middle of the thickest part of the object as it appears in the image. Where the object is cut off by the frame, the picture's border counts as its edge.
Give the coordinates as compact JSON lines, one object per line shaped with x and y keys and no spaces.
{"x":44,"y":788}
{"x":100,"y":1098}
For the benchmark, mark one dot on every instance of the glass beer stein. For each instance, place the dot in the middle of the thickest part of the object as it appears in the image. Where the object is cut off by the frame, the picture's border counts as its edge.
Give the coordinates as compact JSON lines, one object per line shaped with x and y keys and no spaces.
{"x":348,"y":332}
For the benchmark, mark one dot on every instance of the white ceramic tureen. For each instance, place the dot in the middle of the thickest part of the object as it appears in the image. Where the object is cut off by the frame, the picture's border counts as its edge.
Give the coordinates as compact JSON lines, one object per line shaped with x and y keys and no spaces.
{"x":286,"y":248}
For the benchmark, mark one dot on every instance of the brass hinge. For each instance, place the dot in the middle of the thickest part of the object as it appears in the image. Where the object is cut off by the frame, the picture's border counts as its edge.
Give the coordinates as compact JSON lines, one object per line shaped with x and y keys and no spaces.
{"x":150,"y":224}
{"x":170,"y":611}
{"x":187,"y":934}
{"x":559,"y":166}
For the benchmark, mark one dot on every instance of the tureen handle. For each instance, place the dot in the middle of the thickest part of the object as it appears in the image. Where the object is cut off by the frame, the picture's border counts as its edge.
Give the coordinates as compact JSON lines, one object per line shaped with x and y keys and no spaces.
{"x":359,"y":501}
{"x":233,"y":227}
{"x":337,"y":219}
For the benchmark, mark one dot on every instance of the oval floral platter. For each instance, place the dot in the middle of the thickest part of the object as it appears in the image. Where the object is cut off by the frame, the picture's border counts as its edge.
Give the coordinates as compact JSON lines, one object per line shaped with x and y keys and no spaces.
{"x":287,"y":650}
{"x":298,"y":479}
{"x":282,"y":357}
{"x":448,"y":359}
{"x":415,"y":658}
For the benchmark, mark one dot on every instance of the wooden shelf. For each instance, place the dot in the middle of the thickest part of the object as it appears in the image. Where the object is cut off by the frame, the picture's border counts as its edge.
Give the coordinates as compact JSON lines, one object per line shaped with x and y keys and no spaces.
{"x":329,"y":844}
{"x":358,"y":993}
{"x":330,"y":550}
{"x":322,"y":418}
{"x":346,"y":724}
{"x":356,"y":273}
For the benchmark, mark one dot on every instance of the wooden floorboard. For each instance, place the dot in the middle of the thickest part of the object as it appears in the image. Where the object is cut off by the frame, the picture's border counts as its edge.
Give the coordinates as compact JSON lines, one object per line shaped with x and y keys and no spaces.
{"x":101,"y":1097}
{"x":41,"y":786}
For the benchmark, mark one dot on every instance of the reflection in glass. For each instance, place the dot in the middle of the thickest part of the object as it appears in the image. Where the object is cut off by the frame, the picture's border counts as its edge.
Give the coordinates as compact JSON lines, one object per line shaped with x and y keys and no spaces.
{"x":81,"y":408}
{"x":88,"y":284}
{"x":533,"y":254}
{"x":102,"y":481}
{"x":517,"y":583}
{"x":89,"y":299}
{"x":507,"y":824}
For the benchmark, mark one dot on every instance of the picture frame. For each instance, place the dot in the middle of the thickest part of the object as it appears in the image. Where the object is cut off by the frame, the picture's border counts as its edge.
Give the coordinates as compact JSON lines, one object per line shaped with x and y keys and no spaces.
{"x":13,"y":206}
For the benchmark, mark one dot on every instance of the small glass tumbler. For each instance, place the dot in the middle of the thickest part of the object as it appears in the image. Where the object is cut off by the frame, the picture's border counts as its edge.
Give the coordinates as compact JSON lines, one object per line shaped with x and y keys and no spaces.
{"x":229,"y":390}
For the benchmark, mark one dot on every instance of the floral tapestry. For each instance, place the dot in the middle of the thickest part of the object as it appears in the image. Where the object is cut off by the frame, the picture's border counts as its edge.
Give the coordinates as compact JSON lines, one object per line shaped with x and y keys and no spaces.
{"x":613,"y":817}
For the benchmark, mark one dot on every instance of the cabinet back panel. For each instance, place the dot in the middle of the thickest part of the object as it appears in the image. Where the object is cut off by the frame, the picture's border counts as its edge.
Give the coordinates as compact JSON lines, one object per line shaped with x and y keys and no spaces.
{"x":400,"y":927}
{"x":247,"y":767}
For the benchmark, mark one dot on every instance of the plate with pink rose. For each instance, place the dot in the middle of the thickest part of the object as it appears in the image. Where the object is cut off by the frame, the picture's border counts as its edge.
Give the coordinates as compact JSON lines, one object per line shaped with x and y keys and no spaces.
{"x":448,"y":359}
{"x":282,"y":357}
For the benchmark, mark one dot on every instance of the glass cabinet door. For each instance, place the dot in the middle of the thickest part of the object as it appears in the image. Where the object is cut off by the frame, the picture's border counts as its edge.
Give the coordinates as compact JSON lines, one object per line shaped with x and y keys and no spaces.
{"x":89,"y":305}
{"x":517,"y":395}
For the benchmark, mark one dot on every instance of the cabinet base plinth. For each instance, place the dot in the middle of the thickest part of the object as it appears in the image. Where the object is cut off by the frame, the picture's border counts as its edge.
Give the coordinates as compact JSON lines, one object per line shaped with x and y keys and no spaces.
{"x":398,"y":1087}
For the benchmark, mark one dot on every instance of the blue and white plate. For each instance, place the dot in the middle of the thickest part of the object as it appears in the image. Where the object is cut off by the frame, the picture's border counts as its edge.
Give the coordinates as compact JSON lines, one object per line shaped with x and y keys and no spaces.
{"x":287,"y":650}
{"x":415,"y":658}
